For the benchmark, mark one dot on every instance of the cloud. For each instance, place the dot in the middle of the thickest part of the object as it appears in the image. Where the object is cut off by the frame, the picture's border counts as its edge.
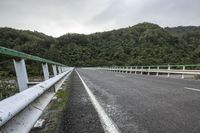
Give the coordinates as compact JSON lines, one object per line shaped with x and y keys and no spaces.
{"x":87,"y":16}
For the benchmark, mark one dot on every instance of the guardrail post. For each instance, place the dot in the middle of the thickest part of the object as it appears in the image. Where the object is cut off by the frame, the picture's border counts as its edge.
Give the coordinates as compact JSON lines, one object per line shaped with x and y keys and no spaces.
{"x":21,"y":73}
{"x":141,"y":70}
{"x":136,"y":70}
{"x":54,"y":70}
{"x":157,"y":70}
{"x":149,"y":70}
{"x":45,"y":71}
{"x":127,"y":69}
{"x":65,"y":68}
{"x":59,"y":69}
{"x":131,"y":70}
{"x":168,"y":75}
{"x":183,"y":76}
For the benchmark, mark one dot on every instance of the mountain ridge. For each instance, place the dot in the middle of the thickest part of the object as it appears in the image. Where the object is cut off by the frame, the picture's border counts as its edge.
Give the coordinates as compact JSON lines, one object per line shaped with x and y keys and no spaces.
{"x":141,"y":44}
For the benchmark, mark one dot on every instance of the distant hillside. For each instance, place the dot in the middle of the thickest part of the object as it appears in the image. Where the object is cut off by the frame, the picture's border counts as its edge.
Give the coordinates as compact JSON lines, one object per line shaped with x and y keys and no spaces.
{"x":142,"y":44}
{"x":184,"y":29}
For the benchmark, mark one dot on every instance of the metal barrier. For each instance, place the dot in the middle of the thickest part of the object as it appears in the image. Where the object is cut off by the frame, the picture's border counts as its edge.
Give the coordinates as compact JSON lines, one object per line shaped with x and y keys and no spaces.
{"x":19,"y":112}
{"x":168,"y":70}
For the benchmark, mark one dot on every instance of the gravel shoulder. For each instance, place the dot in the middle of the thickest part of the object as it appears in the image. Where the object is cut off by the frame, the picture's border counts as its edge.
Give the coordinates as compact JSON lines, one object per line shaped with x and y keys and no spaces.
{"x":80,"y":115}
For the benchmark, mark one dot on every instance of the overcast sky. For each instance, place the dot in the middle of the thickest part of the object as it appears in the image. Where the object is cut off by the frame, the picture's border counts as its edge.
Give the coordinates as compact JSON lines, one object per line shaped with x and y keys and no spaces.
{"x":57,"y":17}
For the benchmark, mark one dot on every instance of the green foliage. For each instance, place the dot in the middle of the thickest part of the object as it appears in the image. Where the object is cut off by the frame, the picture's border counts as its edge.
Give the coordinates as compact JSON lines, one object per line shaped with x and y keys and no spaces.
{"x":7,"y":88}
{"x":142,"y":44}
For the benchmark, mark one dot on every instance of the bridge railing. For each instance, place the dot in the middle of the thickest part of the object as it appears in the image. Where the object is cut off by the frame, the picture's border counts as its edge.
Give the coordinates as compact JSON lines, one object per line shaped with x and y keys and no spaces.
{"x":19,"y":113}
{"x":168,"y":70}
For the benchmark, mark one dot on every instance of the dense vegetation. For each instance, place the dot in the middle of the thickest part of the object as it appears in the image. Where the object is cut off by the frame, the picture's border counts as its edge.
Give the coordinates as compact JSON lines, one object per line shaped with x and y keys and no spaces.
{"x":142,"y":44}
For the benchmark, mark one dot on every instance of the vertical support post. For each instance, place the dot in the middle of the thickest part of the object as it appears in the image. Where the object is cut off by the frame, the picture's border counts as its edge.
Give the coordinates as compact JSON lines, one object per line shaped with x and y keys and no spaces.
{"x":149,"y":70}
{"x":54,"y":70}
{"x":168,"y":75}
{"x":183,"y":76}
{"x":141,"y":69}
{"x":131,"y":69}
{"x":21,"y":73}
{"x":59,"y":69}
{"x":45,"y":71}
{"x":127,"y":69}
{"x":157,"y":70}
{"x":136,"y":70}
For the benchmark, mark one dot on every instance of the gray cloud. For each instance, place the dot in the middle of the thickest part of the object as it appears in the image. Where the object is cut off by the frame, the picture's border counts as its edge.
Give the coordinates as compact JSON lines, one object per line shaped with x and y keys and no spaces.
{"x":57,"y":17}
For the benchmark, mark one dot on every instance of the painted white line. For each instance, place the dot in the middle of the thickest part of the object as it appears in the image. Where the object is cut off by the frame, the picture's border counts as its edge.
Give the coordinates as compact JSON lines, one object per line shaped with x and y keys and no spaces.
{"x":191,"y":89}
{"x":118,"y":75}
{"x":107,"y":123}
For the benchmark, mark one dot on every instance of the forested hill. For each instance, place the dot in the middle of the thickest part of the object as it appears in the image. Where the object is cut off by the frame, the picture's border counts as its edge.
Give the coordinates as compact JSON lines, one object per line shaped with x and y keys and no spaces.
{"x":142,"y":44}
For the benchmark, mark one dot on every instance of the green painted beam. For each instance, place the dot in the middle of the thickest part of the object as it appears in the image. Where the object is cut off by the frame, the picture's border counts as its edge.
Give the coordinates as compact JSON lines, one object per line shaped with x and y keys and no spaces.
{"x":17,"y":54}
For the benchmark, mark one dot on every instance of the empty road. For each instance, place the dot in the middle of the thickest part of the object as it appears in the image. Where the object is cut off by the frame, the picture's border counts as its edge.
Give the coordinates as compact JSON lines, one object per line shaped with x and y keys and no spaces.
{"x":146,"y":104}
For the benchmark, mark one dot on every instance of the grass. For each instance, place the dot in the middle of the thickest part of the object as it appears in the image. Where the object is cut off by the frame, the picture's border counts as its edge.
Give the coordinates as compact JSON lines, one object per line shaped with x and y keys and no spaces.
{"x":62,"y":97}
{"x":197,"y":77}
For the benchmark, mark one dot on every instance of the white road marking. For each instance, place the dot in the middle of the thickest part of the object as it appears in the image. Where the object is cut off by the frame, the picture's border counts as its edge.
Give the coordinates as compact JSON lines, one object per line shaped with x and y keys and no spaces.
{"x":107,"y":123}
{"x":118,"y":75}
{"x":191,"y":89}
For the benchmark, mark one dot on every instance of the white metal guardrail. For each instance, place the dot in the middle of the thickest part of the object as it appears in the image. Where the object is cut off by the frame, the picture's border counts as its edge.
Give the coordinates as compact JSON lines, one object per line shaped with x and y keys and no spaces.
{"x":12,"y":106}
{"x":168,"y":70}
{"x":19,"y":113}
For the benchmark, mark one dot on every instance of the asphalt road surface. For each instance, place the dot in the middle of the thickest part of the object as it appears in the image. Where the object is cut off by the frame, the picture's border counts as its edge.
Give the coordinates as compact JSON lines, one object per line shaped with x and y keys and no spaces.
{"x":146,"y":104}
